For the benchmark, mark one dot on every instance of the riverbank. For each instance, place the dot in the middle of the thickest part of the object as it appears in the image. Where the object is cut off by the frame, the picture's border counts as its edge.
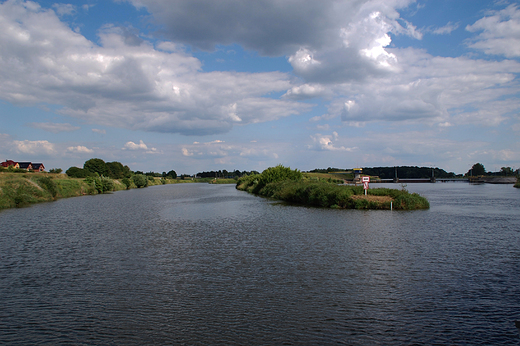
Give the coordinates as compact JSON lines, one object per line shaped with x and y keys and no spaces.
{"x":283,"y":184}
{"x":22,"y":189}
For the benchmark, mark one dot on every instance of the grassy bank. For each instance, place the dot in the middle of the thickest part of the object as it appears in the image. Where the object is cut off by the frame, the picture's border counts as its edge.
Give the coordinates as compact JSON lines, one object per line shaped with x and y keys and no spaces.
{"x":517,"y":183}
{"x":22,"y":189}
{"x":301,"y":190}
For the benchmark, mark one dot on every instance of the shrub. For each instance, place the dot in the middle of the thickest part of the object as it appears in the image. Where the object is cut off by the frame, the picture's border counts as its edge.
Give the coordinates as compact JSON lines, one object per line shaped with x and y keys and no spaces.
{"x":75,"y":172}
{"x":126,"y":182}
{"x":140,"y":180}
{"x":100,"y":184}
{"x":275,"y":174}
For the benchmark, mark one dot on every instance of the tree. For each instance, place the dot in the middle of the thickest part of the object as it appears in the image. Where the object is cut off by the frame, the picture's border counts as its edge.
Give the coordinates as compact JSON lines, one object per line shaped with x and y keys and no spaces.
{"x":75,"y":172}
{"x":507,"y":171}
{"x":172,"y":174}
{"x":115,"y":170}
{"x":96,"y":166}
{"x":476,"y":170}
{"x":140,"y":180}
{"x":55,"y":170}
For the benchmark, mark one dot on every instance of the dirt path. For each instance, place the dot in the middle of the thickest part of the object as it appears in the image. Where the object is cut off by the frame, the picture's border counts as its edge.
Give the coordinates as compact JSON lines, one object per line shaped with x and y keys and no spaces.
{"x":380,"y":199}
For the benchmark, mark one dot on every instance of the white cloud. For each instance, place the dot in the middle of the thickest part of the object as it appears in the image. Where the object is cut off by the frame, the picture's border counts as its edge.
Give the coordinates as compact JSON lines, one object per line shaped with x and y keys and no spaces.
{"x":55,"y":127}
{"x":64,"y":9}
{"x":126,"y":82}
{"x":326,"y":143}
{"x":447,"y":29}
{"x":80,"y":149}
{"x":34,"y":147}
{"x":500,"y":33}
{"x":141,"y":146}
{"x":101,"y":132}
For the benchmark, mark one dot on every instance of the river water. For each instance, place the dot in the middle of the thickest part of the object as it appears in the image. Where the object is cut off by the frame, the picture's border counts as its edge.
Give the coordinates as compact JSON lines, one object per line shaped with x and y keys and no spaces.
{"x":203,"y":264}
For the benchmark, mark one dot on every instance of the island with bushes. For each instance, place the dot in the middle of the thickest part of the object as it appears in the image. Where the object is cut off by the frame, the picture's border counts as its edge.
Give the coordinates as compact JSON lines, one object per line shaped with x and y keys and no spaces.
{"x":283,"y":183}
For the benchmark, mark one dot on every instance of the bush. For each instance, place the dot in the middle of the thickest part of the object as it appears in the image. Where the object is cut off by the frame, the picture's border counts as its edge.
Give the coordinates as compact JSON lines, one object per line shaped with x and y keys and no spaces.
{"x":276,"y":174}
{"x":101,"y":184}
{"x":75,"y":172}
{"x":140,"y":180}
{"x":126,"y":182}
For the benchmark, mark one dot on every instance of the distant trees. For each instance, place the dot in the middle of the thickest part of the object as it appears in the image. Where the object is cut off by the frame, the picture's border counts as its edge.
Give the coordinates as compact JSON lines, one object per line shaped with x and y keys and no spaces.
{"x":98,"y":167}
{"x":171,"y":174}
{"x":407,"y":172}
{"x":507,"y":171}
{"x":55,"y":170}
{"x":476,"y":170}
{"x":225,"y":174}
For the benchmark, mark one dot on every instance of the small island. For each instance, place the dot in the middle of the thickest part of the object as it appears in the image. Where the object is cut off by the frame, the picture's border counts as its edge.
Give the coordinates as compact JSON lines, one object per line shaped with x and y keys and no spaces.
{"x":292,"y":186}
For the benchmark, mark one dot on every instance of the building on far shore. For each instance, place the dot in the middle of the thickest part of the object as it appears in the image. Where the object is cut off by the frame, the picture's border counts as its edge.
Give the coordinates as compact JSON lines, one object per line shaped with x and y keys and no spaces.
{"x":28,"y":166}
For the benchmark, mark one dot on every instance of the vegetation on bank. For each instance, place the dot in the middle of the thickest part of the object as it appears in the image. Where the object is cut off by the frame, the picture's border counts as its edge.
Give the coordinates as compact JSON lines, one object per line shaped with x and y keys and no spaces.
{"x":291,"y":186}
{"x":19,"y":189}
{"x":517,"y":183}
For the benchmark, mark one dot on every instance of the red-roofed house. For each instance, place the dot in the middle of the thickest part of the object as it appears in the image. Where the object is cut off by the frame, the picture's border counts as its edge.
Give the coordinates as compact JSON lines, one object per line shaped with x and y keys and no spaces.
{"x":8,"y":163}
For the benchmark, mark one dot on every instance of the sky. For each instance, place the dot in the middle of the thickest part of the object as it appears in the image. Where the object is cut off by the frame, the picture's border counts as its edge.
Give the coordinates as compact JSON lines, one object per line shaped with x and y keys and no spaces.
{"x":201,"y":85}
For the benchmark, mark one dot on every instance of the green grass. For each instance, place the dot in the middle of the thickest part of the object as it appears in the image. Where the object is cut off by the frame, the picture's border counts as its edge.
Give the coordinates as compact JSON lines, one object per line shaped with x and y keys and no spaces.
{"x":19,"y":190}
{"x":321,"y":193}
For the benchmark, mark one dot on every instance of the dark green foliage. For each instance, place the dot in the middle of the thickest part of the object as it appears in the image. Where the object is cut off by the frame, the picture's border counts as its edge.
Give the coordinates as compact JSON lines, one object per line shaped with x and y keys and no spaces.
{"x":56,"y":170}
{"x":507,"y":171}
{"x":275,"y":174}
{"x":140,"y":180}
{"x":75,"y":172}
{"x":171,"y":174}
{"x":96,"y":166}
{"x":115,"y":170}
{"x":49,"y":185}
{"x":407,"y":172}
{"x":100,"y":184}
{"x":126,"y":182}
{"x":287,"y":185}
{"x":476,"y":170}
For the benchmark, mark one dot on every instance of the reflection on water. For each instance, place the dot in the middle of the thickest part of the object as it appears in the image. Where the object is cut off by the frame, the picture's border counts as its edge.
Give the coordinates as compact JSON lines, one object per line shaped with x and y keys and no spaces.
{"x":206,"y":264}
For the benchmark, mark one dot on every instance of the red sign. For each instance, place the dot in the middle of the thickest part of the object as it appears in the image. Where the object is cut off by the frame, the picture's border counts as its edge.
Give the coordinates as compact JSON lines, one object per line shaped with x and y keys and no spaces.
{"x":365,"y":185}
{"x":365,"y":179}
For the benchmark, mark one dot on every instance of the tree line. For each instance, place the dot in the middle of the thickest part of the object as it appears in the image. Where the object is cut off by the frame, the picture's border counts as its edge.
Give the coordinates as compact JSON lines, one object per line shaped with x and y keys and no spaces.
{"x":225,"y":174}
{"x":114,"y":170}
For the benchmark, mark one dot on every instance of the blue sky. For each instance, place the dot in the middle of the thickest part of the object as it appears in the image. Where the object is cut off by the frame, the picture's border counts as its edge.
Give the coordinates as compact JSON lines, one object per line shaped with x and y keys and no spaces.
{"x":195,"y":85}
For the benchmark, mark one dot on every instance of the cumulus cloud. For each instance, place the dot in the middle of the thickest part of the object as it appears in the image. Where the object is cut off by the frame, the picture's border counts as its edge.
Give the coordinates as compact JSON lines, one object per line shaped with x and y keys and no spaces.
{"x":326,"y":143}
{"x":127,"y":82}
{"x":431,"y":90}
{"x":499,"y":33}
{"x":54,"y":127}
{"x":139,"y":147}
{"x":101,"y":132}
{"x":34,"y":147}
{"x":80,"y":149}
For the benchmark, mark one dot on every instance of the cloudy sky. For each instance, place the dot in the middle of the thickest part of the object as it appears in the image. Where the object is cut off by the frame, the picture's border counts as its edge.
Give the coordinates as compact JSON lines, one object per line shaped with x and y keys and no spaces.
{"x":195,"y":85}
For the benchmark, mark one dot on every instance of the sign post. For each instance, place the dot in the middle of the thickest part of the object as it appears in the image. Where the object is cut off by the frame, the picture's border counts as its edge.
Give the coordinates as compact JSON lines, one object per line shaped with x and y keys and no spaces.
{"x":365,"y":181}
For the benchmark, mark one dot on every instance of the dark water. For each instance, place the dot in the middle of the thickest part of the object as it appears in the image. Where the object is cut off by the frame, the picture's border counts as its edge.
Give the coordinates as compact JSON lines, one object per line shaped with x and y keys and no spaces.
{"x":202,"y":264}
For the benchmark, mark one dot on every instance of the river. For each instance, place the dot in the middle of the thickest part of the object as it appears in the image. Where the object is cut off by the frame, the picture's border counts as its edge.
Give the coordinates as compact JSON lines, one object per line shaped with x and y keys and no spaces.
{"x":203,"y":264}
